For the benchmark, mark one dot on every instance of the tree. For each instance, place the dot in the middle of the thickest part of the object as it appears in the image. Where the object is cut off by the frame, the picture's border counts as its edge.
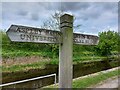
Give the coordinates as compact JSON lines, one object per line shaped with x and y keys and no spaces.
{"x":119,"y":42}
{"x":108,"y":41}
{"x":53,"y":22}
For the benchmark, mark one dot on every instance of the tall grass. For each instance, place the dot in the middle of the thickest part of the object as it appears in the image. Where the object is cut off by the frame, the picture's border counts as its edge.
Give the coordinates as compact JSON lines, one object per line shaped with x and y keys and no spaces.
{"x":16,"y":49}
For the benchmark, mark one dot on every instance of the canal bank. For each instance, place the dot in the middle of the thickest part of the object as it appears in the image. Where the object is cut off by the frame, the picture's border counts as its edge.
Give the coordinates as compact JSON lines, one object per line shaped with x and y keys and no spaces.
{"x":79,"y":69}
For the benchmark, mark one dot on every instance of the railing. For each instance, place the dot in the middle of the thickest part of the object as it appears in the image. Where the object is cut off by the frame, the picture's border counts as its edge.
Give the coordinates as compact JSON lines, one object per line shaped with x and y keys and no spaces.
{"x":27,"y":80}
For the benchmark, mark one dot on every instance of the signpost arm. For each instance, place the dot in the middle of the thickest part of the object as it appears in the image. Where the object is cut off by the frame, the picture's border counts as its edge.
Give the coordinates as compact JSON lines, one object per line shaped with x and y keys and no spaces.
{"x":65,"y":52}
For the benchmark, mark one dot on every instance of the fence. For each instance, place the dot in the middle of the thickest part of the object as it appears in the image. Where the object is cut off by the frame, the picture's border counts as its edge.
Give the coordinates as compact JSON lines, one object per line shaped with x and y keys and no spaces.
{"x":27,"y":80}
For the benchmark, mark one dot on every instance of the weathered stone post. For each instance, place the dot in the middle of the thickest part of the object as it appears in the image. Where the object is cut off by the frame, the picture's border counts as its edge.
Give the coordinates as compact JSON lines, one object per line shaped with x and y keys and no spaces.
{"x":65,"y":52}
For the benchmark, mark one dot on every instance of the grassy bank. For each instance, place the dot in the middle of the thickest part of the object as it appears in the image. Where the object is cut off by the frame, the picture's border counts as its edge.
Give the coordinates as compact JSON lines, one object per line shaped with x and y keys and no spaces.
{"x":25,"y":64}
{"x":93,"y":80}
{"x":12,"y":51}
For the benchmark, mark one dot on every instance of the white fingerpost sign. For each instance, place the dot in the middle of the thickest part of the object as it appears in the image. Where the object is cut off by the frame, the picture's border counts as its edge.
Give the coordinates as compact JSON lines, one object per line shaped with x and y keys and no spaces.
{"x":65,"y":38}
{"x":19,"y":33}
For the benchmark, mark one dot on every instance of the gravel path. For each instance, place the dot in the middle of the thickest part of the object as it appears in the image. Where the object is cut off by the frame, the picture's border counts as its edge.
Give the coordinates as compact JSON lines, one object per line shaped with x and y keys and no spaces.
{"x":109,"y":83}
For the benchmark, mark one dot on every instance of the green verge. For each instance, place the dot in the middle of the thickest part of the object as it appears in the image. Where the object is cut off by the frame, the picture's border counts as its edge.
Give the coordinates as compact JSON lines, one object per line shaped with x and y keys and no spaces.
{"x":91,"y":80}
{"x":87,"y":82}
{"x":24,"y":67}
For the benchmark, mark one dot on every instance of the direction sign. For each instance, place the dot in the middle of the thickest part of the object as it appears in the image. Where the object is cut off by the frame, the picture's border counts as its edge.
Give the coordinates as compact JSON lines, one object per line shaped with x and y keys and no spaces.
{"x":65,"y":36}
{"x":85,"y":39}
{"x":19,"y":33}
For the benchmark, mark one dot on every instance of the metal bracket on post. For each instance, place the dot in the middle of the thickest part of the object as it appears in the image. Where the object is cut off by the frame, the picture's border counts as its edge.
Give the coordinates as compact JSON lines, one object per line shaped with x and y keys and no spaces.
{"x":65,"y":52}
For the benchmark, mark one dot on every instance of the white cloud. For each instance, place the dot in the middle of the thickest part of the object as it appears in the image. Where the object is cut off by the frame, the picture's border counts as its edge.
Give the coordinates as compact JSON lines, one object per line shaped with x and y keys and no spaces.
{"x":114,"y":28}
{"x":26,"y":13}
{"x":30,"y":1}
{"x":94,"y":17}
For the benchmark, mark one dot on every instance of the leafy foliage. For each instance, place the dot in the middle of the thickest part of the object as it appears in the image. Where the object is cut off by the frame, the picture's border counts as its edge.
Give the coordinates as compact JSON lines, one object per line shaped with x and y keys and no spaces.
{"x":108,"y":42}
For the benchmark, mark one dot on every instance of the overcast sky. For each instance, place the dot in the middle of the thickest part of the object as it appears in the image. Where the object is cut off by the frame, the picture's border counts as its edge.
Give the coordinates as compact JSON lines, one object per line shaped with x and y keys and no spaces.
{"x":93,"y":16}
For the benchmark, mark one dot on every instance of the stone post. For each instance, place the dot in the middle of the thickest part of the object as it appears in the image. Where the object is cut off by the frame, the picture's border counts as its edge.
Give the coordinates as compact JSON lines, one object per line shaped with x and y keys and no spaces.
{"x":65,"y":52}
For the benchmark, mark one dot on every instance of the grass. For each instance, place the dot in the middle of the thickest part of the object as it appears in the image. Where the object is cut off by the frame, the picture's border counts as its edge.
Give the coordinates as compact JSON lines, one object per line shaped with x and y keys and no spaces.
{"x":24,"y":67}
{"x":91,"y":80}
{"x":42,"y":63}
{"x":13,"y":54}
{"x":86,"y":58}
{"x":87,"y":82}
{"x":77,"y":56}
{"x":21,"y":53}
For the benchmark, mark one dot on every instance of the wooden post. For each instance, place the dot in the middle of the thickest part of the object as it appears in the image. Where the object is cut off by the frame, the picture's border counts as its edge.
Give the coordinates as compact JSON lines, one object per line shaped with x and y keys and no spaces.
{"x":65,"y":52}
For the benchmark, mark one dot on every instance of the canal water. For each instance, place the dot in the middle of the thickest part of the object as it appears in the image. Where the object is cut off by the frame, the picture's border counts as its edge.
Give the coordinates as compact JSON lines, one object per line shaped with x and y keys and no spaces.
{"x":79,"y":69}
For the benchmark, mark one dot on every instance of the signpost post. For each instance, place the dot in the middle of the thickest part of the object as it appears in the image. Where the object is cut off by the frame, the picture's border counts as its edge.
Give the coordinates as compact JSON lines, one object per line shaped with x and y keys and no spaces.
{"x":65,"y":52}
{"x":65,"y":38}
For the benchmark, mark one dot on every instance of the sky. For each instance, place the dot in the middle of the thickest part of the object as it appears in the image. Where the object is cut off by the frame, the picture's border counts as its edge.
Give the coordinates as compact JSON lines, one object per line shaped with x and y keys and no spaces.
{"x":94,"y":17}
